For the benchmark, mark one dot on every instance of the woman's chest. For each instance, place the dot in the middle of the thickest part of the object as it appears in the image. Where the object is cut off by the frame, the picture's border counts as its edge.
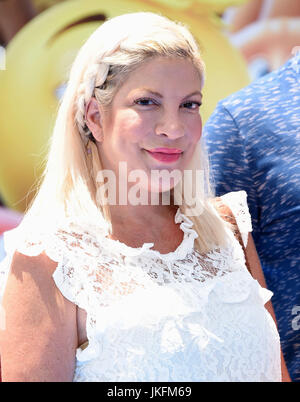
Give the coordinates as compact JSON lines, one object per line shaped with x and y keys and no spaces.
{"x":131,"y":288}
{"x":170,"y":237}
{"x":227,"y":331}
{"x":220,"y":304}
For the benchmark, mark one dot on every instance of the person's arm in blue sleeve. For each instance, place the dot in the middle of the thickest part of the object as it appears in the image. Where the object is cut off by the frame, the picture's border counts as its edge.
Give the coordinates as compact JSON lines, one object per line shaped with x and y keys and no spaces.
{"x":228,"y":157}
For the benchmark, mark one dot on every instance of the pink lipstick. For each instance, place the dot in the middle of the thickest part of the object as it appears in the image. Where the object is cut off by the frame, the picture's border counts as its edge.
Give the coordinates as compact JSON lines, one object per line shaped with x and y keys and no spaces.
{"x":165,"y":154}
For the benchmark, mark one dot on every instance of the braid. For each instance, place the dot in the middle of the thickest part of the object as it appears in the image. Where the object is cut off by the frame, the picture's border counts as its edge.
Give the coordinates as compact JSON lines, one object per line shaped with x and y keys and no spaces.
{"x":95,"y":75}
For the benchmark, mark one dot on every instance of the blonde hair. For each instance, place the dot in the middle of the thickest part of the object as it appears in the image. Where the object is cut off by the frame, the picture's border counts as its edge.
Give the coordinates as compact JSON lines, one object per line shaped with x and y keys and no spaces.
{"x":68,"y":186}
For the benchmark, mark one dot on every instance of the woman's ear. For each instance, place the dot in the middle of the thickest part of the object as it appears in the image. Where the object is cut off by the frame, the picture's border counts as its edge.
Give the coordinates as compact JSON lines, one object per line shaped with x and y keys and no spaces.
{"x":93,"y":119}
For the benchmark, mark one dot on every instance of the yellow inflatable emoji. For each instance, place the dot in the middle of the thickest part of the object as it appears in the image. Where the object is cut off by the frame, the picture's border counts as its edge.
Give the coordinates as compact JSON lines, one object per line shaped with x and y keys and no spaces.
{"x":42,"y":5}
{"x":38,"y":60}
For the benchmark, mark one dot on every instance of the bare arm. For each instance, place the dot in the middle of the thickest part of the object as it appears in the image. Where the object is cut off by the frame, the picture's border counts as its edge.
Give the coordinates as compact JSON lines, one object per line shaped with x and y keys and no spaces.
{"x":246,"y":14}
{"x":39,"y":340}
{"x":256,"y":270}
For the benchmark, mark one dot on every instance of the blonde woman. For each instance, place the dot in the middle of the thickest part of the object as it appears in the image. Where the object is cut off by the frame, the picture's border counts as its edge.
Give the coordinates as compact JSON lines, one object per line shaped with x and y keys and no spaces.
{"x":118,"y":273}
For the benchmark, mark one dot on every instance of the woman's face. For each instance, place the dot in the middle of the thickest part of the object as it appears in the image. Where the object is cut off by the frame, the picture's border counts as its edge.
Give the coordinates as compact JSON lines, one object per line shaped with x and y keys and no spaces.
{"x":153,"y":122}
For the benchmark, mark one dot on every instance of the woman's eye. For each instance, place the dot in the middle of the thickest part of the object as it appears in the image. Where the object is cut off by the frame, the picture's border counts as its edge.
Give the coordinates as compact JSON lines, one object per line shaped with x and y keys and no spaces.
{"x":145,"y":102}
{"x":192,"y":105}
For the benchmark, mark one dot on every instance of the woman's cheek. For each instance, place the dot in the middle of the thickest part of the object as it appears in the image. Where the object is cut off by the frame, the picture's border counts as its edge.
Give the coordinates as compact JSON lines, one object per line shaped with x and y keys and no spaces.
{"x":196,"y":130}
{"x":133,"y":128}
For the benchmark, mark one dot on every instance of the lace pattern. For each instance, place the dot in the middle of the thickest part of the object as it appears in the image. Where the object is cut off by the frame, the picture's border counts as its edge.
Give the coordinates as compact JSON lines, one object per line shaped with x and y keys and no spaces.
{"x":181,"y":316}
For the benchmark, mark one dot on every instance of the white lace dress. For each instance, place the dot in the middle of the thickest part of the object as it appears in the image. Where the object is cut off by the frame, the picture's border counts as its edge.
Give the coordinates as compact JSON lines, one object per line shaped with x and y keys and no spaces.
{"x":157,"y":317}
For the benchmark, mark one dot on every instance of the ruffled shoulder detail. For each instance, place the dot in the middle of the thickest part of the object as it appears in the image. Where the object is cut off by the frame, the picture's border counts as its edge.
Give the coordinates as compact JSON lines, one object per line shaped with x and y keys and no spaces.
{"x":237,"y":202}
{"x":27,"y":242}
{"x":236,"y":287}
{"x":74,"y":249}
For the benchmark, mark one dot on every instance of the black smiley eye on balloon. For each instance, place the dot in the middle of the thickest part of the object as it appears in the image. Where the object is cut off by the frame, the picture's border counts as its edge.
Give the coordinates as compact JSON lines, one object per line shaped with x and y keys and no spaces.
{"x":39,"y":58}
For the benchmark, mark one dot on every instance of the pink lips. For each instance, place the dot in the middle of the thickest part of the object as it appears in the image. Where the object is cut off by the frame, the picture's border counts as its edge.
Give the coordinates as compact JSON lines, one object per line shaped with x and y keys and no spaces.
{"x":165,"y":154}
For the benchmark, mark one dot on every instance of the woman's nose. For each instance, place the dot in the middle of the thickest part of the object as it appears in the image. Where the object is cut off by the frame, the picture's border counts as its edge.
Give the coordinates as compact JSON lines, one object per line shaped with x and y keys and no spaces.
{"x":170,"y":126}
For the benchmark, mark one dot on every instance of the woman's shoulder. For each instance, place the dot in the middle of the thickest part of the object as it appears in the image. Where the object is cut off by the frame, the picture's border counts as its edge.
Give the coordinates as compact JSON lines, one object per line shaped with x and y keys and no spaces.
{"x":34,"y":313}
{"x":21,"y":269}
{"x":67,"y":252}
{"x":56,"y":240}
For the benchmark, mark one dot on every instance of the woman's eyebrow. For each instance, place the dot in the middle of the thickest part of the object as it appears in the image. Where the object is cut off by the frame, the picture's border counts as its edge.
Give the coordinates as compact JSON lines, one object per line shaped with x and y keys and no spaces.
{"x":193,"y":93}
{"x":151,"y":92}
{"x":161,"y":96}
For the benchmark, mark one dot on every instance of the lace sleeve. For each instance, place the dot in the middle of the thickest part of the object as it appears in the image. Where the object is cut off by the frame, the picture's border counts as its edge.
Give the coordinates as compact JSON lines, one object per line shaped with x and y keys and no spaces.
{"x":74,"y":252}
{"x":237,"y":202}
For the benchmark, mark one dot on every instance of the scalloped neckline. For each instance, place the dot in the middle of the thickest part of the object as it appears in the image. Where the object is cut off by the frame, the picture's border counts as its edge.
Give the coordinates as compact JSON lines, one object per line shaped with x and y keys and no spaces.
{"x":184,"y":248}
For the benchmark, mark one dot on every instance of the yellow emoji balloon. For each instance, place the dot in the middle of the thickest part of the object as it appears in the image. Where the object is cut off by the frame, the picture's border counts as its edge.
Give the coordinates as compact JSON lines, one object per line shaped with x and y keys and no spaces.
{"x":38,"y":60}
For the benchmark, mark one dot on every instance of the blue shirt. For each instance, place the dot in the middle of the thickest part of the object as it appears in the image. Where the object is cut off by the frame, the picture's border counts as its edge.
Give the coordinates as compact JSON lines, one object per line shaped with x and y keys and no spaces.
{"x":253,"y":139}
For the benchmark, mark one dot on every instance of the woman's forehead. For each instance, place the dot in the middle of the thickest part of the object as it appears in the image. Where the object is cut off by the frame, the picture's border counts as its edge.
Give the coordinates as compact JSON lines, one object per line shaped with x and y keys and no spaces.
{"x":160,"y":73}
